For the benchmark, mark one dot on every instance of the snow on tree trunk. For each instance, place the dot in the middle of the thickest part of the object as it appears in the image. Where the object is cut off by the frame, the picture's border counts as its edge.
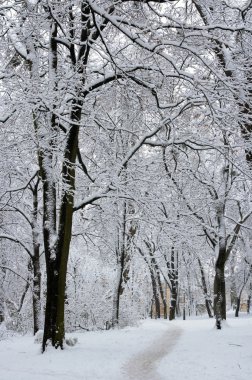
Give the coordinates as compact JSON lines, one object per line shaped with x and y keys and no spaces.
{"x":174,"y":284}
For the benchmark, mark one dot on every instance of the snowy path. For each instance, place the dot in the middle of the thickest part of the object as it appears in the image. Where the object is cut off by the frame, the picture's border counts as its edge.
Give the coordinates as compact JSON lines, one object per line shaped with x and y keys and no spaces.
{"x":144,"y":364}
{"x":156,"y":350}
{"x":128,"y":354}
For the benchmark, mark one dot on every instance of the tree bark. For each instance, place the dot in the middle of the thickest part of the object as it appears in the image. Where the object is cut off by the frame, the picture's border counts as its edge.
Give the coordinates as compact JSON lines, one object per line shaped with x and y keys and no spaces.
{"x":220,"y":290}
{"x":174,"y":286}
{"x":57,"y":252}
{"x":162,"y":294}
{"x":155,"y":294}
{"x":36,"y":296}
{"x":205,"y":290}
{"x":122,"y":276}
{"x":238,"y":304}
{"x":248,"y":304}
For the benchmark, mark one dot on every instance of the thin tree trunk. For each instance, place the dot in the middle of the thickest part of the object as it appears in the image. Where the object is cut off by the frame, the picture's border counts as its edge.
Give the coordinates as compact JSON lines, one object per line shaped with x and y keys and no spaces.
{"x":36,"y":295}
{"x":162,"y":294}
{"x":173,"y":303}
{"x":173,"y":275}
{"x":36,"y":263}
{"x":155,"y":294}
{"x":116,"y":298}
{"x":248,"y":304}
{"x":156,"y":300}
{"x":238,"y":304}
{"x":121,"y":258}
{"x":205,"y":290}
{"x":238,"y":300}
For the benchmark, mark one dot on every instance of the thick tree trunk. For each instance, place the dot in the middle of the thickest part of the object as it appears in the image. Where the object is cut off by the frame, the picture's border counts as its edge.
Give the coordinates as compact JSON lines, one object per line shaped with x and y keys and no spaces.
{"x":57,"y":266}
{"x":51,"y":308}
{"x":219,"y":293}
{"x":57,"y":252}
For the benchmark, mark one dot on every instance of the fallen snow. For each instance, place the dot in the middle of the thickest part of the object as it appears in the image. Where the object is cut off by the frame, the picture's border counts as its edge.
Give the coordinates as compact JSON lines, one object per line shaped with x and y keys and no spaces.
{"x":156,"y":350}
{"x":205,"y":353}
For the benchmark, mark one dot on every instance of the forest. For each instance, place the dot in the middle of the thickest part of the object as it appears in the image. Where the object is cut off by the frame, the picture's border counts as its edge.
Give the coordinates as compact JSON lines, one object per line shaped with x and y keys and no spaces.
{"x":125,"y":161}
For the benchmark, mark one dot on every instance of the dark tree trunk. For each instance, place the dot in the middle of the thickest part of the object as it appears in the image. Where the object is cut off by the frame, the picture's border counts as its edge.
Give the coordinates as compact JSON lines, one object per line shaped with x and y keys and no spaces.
{"x":172,"y":312}
{"x":51,"y":308}
{"x":57,"y":266}
{"x":117,"y":295}
{"x":248,"y":304}
{"x":209,"y":308}
{"x":36,"y":263}
{"x":238,"y":300}
{"x":36,"y":294}
{"x":152,"y":309}
{"x":238,"y":304}
{"x":155,"y":294}
{"x":57,"y":252}
{"x":173,"y":275}
{"x":219,"y":293}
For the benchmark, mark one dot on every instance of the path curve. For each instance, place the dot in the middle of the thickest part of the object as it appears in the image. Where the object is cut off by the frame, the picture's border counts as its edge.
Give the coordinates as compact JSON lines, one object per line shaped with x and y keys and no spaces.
{"x":143,"y":365}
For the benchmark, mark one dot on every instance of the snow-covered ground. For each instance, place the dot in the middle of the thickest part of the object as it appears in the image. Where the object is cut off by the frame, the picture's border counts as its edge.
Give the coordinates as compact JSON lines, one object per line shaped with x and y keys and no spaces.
{"x":156,"y":350}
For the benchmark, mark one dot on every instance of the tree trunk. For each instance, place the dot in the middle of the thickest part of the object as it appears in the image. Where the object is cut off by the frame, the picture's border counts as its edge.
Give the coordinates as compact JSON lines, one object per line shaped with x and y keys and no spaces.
{"x":209,"y":308}
{"x":238,"y":304}
{"x":173,"y":303}
{"x":162,"y":294}
{"x":116,"y":298}
{"x":36,"y":295}
{"x":125,"y":236}
{"x":157,"y":313}
{"x":36,"y":263}
{"x":158,"y":285}
{"x":57,"y":252}
{"x":123,"y":259}
{"x":155,"y":300}
{"x":248,"y":304}
{"x":238,"y":300}
{"x":173,"y":275}
{"x":219,"y":293}
{"x":205,"y":290}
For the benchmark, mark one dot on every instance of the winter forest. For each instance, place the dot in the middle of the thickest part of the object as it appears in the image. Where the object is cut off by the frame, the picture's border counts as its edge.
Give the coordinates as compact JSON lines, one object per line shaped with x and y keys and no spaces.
{"x":125,"y":160}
